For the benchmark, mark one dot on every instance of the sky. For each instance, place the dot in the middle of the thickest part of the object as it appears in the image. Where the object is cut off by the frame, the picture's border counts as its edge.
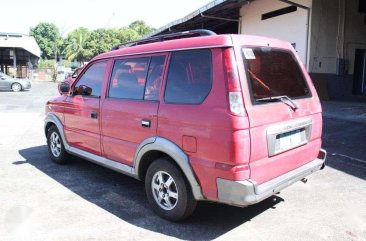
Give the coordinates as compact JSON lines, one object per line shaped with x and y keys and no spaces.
{"x":17,"y":16}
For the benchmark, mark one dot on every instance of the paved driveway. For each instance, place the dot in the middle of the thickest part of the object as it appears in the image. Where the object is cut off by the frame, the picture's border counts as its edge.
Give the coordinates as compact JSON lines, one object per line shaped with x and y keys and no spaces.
{"x":40,"y":200}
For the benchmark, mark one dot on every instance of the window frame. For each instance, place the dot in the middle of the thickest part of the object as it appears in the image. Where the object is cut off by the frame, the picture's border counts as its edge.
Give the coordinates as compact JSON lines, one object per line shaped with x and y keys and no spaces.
{"x":249,"y":82}
{"x":167,"y":74}
{"x":81,"y":74}
{"x":150,"y":56}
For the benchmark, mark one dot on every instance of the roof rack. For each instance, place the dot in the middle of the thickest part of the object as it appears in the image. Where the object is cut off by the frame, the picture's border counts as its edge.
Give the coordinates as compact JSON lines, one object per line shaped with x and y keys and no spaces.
{"x":170,"y":36}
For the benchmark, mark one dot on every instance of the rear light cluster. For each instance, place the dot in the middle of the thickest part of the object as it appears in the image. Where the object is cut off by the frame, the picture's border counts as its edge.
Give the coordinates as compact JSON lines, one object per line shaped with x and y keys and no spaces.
{"x":236,"y":103}
{"x":233,"y":83}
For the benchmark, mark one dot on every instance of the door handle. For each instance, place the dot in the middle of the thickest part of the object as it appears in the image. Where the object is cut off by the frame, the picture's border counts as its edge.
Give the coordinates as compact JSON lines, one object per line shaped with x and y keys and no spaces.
{"x":94,"y":115}
{"x":146,"y":123}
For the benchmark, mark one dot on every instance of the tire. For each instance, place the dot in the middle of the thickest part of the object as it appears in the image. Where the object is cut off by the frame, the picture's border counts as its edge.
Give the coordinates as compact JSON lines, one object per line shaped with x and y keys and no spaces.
{"x":16,"y":87}
{"x":56,"y":147}
{"x":168,"y":192}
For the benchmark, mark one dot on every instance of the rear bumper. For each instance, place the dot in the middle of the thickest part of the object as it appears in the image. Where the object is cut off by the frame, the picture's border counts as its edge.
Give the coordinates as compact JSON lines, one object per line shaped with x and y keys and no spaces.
{"x":26,"y":86}
{"x":244,"y":193}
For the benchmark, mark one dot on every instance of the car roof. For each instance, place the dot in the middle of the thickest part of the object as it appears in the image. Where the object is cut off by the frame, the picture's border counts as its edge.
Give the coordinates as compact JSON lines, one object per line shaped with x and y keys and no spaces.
{"x":169,"y":45}
{"x":214,"y":41}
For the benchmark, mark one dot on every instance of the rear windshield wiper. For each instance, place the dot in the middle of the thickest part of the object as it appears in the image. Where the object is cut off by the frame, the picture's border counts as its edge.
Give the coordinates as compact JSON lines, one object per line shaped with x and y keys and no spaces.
{"x":283,"y":98}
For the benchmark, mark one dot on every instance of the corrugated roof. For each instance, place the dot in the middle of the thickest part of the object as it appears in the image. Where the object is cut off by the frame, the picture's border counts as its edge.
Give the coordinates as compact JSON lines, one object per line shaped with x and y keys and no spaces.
{"x":228,"y":9}
{"x":14,"y":40}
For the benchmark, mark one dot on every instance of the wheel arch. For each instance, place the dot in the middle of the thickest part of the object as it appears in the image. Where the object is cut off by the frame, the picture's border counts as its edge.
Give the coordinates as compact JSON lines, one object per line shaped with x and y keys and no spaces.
{"x":155,"y":147}
{"x":52,"y":119}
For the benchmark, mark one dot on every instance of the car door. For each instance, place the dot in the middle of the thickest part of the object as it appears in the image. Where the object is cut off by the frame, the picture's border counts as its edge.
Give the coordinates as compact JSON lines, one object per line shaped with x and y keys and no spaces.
{"x":4,"y":81}
{"x":130,"y":108}
{"x":82,"y":109}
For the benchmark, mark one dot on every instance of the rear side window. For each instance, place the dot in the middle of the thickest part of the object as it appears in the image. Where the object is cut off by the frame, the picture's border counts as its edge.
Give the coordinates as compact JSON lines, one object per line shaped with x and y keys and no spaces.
{"x":189,"y":79}
{"x":154,"y":78}
{"x":274,"y":72}
{"x":137,"y":78}
{"x":92,"y":78}
{"x":128,"y":78}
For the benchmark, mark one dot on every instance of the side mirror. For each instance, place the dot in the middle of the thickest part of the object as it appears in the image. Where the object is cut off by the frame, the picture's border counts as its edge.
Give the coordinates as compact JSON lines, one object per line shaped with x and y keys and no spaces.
{"x":3,"y":77}
{"x":64,"y":87}
{"x":84,"y":90}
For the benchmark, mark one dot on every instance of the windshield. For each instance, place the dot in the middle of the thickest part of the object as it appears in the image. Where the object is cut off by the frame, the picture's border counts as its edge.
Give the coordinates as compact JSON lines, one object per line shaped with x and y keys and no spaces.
{"x":274,"y":72}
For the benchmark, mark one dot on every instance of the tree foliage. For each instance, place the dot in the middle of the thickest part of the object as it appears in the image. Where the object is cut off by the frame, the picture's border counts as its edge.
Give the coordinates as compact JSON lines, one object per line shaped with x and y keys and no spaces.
{"x":76,"y":45}
{"x":141,"y":28}
{"x":82,"y":44}
{"x":47,"y":36}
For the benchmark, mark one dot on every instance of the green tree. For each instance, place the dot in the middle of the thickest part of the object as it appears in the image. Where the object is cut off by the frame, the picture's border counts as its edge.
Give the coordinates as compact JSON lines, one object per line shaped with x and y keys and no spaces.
{"x":76,"y":45}
{"x":102,"y":40}
{"x":141,"y":28}
{"x":47,"y":36}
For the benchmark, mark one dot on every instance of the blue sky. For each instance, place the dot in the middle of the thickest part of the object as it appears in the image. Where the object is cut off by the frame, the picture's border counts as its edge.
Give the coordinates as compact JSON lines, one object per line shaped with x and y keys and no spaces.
{"x":18,"y":16}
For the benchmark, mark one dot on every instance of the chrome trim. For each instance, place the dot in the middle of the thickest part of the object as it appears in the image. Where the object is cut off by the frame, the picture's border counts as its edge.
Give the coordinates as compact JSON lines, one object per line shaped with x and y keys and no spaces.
{"x":244,"y":193}
{"x":177,"y":154}
{"x":284,"y":127}
{"x":116,"y":166}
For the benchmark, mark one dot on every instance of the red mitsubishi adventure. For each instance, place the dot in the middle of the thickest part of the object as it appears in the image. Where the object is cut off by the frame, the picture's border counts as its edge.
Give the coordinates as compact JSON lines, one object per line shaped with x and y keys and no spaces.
{"x":197,"y":116}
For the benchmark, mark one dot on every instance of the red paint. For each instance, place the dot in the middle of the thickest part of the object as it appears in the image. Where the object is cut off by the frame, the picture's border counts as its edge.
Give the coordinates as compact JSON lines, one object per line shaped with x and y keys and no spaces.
{"x":218,"y":143}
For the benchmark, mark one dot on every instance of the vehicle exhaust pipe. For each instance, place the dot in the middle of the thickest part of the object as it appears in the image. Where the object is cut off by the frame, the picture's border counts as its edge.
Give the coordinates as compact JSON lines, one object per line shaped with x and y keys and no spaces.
{"x":304,"y":180}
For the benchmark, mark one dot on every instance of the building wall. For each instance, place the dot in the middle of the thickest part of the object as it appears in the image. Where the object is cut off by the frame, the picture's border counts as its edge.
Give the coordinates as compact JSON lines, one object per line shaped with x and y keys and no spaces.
{"x":326,"y":45}
{"x":324,"y":35}
{"x":355,"y":32}
{"x":291,"y":26}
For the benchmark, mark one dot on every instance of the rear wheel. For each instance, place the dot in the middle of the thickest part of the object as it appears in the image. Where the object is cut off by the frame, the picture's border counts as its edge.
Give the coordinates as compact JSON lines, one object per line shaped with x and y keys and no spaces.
{"x":56,"y":147}
{"x":168,"y":192}
{"x":16,"y":87}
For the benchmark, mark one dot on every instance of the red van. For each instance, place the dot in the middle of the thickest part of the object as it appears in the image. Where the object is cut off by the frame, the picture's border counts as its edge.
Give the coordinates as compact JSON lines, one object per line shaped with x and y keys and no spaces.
{"x":197,"y":116}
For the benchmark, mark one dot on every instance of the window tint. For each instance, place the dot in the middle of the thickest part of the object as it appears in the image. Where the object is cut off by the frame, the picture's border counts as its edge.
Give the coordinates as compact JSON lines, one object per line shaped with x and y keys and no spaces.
{"x":274,"y":72}
{"x":189,"y":78}
{"x":128,"y":78}
{"x":92,"y":78}
{"x":154,"y":78}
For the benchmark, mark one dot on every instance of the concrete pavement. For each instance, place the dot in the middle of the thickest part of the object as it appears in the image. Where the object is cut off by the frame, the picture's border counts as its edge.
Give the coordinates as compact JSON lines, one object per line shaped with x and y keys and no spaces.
{"x":40,"y":200}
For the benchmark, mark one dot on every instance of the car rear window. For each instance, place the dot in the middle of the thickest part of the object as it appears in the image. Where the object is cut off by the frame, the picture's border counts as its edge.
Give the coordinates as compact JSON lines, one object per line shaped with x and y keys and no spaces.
{"x":274,"y":72}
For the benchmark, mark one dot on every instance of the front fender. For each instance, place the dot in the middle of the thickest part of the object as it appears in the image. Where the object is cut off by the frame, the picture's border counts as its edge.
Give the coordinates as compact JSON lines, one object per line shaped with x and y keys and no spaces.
{"x":52,"y":118}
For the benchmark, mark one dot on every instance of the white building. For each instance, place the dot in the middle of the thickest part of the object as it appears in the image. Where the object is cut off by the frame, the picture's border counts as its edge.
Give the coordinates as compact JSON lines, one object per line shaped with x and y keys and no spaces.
{"x":329,"y":35}
{"x":18,"y":53}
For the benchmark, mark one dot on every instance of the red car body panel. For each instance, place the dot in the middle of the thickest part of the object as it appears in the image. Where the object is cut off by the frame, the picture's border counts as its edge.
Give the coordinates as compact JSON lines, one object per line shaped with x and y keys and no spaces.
{"x":218,"y":143}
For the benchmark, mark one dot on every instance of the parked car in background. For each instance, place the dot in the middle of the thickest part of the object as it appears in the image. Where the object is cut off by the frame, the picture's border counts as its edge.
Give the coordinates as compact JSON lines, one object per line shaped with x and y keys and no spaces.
{"x":197,"y":116}
{"x":70,"y":79}
{"x":14,"y":84}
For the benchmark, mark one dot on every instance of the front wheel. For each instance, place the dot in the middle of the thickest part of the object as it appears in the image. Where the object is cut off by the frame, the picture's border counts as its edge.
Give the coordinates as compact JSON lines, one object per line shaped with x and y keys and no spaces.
{"x":16,"y":87}
{"x":168,"y":192}
{"x":56,"y":147}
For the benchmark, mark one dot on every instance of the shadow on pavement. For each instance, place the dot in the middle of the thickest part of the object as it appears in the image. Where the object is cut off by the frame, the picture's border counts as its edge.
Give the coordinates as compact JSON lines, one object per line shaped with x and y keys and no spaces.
{"x":125,"y":198}
{"x":346,"y":146}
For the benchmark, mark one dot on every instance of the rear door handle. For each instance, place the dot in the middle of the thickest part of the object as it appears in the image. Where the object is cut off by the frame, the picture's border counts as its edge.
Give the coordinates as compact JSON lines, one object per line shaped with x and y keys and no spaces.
{"x":94,"y":115}
{"x":146,"y":123}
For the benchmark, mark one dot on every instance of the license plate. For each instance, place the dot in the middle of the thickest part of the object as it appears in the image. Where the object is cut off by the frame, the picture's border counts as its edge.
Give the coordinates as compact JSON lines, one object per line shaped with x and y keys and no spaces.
{"x":289,"y":140}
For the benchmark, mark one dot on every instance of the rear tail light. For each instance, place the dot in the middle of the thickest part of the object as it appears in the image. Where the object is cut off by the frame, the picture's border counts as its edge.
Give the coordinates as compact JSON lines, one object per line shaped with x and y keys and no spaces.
{"x":236,"y":103}
{"x":233,"y":83}
{"x":231,"y":70}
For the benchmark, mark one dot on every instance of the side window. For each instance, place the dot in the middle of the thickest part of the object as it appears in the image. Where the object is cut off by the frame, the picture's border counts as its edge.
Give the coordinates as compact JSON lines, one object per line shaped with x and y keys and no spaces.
{"x":189,"y":78}
{"x":154,"y":78}
{"x":90,"y":83}
{"x":128,"y":78}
